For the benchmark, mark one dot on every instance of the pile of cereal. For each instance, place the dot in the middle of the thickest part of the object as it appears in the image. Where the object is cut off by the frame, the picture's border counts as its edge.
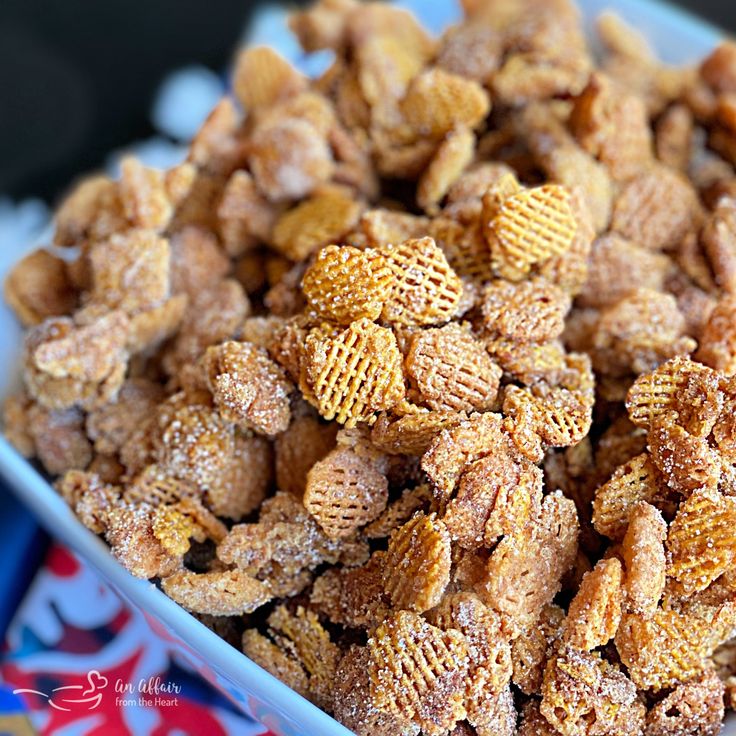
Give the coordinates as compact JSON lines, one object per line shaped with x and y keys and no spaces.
{"x":416,"y":380}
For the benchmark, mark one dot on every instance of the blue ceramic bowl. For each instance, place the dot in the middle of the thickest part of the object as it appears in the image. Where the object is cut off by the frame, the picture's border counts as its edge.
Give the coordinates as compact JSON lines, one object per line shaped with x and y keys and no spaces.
{"x":677,"y":37}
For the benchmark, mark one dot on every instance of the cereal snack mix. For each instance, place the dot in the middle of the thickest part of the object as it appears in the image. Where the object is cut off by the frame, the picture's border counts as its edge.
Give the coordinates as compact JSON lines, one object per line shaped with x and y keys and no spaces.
{"x":420,"y":376}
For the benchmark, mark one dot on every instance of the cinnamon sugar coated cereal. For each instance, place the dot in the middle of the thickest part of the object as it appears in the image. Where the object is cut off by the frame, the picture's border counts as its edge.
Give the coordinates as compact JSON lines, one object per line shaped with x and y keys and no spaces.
{"x":418,"y":379}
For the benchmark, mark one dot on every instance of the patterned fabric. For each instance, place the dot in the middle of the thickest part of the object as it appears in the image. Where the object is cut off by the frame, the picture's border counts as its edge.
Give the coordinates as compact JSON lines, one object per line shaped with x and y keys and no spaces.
{"x":88,"y":665}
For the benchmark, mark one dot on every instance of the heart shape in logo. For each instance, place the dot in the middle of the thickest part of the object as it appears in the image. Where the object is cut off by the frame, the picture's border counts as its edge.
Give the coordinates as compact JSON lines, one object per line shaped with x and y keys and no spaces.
{"x":96,"y":682}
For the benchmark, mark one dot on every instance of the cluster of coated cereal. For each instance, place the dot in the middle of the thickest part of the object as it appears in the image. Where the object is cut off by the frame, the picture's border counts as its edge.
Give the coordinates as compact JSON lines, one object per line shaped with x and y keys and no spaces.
{"x":418,"y":380}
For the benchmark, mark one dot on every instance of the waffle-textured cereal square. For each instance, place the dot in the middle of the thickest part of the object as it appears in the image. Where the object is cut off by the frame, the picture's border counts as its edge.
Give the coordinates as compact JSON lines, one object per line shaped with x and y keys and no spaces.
{"x":425,"y":291}
{"x":530,"y":227}
{"x":345,"y":491}
{"x":345,"y":284}
{"x":417,"y":565}
{"x":450,"y":370}
{"x":353,"y":374}
{"x":417,"y":671}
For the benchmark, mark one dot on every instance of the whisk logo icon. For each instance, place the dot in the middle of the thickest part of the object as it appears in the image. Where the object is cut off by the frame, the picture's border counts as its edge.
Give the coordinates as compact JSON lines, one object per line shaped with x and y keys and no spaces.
{"x":68,"y":697}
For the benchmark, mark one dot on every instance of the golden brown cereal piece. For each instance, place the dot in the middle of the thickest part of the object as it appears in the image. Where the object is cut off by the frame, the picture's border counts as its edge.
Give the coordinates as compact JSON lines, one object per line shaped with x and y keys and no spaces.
{"x":674,"y":137}
{"x":132,"y":542}
{"x":719,"y":69}
{"x":529,"y":228}
{"x":569,"y":270}
{"x":197,"y":262}
{"x":452,"y":157}
{"x":285,"y":298}
{"x":595,"y":611}
{"x":322,"y":25}
{"x":504,"y":186}
{"x":532,"y":311}
{"x":288,"y":159}
{"x":533,"y":723}
{"x":471,"y":50}
{"x":219,"y":593}
{"x":564,"y":162}
{"x":497,"y":495}
{"x":261,"y":331}
{"x":634,"y":481}
{"x":59,"y":439}
{"x":451,"y":371}
{"x":302,"y":633}
{"x":353,"y":705}
{"x":718,"y":240}
{"x":672,"y":646}
{"x":686,"y":462}
{"x":417,"y":671}
{"x":67,"y":364}
{"x":654,"y":394}
{"x":155,"y":486}
{"x":173,"y":529}
{"x":245,"y":481}
{"x":412,"y":433}
{"x":91,"y":211}
{"x":656,"y":209}
{"x":151,"y":328}
{"x":612,"y":125}
{"x":702,"y":540}
{"x":644,"y":558}
{"x":531,"y":650}
{"x":489,"y":651}
{"x":581,"y":689}
{"x":244,"y":214}
{"x":617,"y":266}
{"x":426,"y":290}
{"x":456,"y":447}
{"x":211,"y":317}
{"x":718,"y":341}
{"x":384,"y":227}
{"x":306,"y":441}
{"x":438,"y":101}
{"x":638,"y":333}
{"x":38,"y":286}
{"x":248,"y":388}
{"x":344,"y":284}
{"x":399,"y":512}
{"x":695,"y":707}
{"x":417,"y":567}
{"x":218,"y":147}
{"x":324,"y":218}
{"x":525,"y":570}
{"x":263,"y":77}
{"x":354,"y":374}
{"x":90,"y":497}
{"x":543,"y":417}
{"x":491,"y":714}
{"x":345,"y":491}
{"x":286,"y":536}
{"x":530,"y":363}
{"x":110,"y":426}
{"x":724,"y":430}
{"x":279,"y":662}
{"x":465,"y":249}
{"x":357,"y":594}
{"x":145,"y":195}
{"x":130,"y":271}
{"x":195,"y":445}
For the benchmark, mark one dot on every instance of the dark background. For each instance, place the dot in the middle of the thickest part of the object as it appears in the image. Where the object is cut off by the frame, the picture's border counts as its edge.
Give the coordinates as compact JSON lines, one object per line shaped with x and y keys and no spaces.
{"x":77,"y":77}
